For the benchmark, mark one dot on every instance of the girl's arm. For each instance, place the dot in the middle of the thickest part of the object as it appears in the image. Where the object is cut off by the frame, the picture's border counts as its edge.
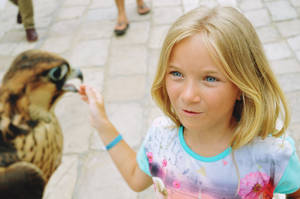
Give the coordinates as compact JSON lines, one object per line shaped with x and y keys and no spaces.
{"x":295,"y":195}
{"x":122,"y":155}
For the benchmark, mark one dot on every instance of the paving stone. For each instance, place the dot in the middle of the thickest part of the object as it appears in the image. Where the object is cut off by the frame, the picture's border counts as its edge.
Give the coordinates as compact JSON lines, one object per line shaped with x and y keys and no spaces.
{"x":23,"y":46}
{"x":91,"y":30}
{"x":298,"y":55}
{"x":160,"y":3}
{"x":64,"y":28}
{"x":294,"y":133}
{"x":7,"y":48}
{"x":102,"y":14}
{"x":289,"y":82}
{"x":147,"y":194}
{"x":119,"y":64}
{"x":42,"y":23}
{"x":138,"y":33}
{"x":77,"y":129}
{"x":153,"y":62}
{"x":232,"y":3}
{"x":128,"y":118}
{"x":5,"y":62}
{"x":294,"y":43}
{"x":246,"y":5}
{"x":70,"y":3}
{"x":268,"y":34}
{"x":277,"y":50}
{"x":126,"y":88}
{"x":71,"y":13}
{"x":44,"y":9}
{"x":285,"y":66}
{"x":295,"y":3}
{"x":289,"y":28}
{"x":166,"y":15}
{"x":184,"y":2}
{"x":154,"y":113}
{"x":57,"y":44}
{"x":259,"y":17}
{"x":95,"y":142}
{"x":99,"y":178}
{"x":62,"y":182}
{"x":189,"y":7}
{"x":14,"y":36}
{"x":90,"y":53}
{"x":102,"y":4}
{"x":93,"y":76}
{"x":293,"y":99}
{"x":157,"y":36}
{"x":281,"y":10}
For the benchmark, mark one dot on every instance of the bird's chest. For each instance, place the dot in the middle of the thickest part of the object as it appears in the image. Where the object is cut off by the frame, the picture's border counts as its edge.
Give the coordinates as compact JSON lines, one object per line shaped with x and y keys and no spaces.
{"x":42,"y":147}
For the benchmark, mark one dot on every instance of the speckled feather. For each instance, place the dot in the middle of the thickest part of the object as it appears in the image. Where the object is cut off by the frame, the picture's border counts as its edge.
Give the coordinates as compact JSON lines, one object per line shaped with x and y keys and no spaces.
{"x":31,"y":139}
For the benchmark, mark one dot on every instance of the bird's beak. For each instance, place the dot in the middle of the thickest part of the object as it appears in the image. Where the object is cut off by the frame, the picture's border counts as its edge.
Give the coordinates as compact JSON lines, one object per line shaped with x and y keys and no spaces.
{"x":75,"y":73}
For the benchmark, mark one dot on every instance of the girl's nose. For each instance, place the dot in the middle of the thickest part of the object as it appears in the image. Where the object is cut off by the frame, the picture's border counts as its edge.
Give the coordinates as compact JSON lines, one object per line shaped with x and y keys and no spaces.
{"x":191,"y":93}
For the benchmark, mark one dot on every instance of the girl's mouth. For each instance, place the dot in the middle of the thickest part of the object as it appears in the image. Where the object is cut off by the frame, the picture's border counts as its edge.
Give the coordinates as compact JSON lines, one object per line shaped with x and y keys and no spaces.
{"x":191,"y":112}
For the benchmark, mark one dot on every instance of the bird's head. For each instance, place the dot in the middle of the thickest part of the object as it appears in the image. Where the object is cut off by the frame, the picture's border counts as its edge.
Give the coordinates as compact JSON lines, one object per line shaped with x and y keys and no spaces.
{"x":35,"y":78}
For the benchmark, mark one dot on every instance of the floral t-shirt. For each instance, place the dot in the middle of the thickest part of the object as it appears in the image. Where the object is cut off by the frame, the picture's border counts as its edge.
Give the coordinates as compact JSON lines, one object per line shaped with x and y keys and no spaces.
{"x":263,"y":167}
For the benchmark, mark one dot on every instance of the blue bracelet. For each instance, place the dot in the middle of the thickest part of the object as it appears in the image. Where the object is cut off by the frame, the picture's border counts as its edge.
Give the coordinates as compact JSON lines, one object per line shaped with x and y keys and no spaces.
{"x":114,"y":142}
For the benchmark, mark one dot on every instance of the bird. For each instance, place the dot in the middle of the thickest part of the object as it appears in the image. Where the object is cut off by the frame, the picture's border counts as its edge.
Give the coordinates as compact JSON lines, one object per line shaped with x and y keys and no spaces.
{"x":31,"y":139}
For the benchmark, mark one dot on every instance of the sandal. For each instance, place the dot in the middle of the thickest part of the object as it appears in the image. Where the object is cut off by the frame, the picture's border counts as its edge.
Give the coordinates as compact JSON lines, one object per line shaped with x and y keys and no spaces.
{"x":120,"y":32}
{"x":143,"y":9}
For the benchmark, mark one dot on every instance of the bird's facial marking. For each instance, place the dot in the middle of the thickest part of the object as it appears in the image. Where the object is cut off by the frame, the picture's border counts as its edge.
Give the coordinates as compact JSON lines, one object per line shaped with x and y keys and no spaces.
{"x":58,"y":73}
{"x":41,"y":94}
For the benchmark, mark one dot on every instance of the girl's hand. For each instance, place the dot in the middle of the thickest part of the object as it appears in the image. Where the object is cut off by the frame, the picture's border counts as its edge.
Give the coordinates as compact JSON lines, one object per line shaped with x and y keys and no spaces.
{"x":98,"y":116}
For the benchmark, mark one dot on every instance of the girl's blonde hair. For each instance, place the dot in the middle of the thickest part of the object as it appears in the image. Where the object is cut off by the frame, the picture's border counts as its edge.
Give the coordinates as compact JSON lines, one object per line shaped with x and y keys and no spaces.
{"x":236,"y":49}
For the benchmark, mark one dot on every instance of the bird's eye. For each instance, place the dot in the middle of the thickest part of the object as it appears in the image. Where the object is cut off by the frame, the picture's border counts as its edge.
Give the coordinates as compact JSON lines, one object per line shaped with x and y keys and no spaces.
{"x":58,"y":73}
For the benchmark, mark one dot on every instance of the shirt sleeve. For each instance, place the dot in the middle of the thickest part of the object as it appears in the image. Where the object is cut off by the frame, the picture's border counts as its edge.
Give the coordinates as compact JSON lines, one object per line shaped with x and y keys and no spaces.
{"x":142,"y":160}
{"x":289,"y":182}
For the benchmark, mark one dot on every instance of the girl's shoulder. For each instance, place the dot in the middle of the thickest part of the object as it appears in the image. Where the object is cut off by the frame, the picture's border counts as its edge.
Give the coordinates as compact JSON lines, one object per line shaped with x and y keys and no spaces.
{"x":163,"y":125}
{"x":161,"y":131}
{"x":270,"y":147}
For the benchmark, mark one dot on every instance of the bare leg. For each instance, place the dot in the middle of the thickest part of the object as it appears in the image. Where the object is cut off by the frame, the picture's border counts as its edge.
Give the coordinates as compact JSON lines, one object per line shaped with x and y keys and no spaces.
{"x":141,"y":7}
{"x":122,"y":18}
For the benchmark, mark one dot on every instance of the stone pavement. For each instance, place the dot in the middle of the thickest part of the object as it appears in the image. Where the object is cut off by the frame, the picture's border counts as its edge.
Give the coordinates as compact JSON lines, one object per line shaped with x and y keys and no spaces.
{"x":123,"y":68}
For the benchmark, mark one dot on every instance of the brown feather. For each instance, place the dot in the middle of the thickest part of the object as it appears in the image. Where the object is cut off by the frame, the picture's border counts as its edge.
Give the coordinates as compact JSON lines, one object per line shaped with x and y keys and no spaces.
{"x":30,"y":134}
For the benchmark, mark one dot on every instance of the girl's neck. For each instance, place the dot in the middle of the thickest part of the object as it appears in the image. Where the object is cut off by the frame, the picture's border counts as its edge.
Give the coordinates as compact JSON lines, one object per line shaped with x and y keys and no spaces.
{"x":208,"y":144}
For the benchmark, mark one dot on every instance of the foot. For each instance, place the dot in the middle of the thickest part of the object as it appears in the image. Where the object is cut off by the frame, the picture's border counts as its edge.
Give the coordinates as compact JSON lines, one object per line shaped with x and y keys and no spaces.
{"x":143,"y":9}
{"x":31,"y":35}
{"x":121,"y":28}
{"x":19,"y":18}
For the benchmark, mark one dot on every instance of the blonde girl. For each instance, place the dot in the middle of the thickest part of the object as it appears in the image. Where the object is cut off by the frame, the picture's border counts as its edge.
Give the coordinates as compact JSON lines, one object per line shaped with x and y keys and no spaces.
{"x":222,"y":102}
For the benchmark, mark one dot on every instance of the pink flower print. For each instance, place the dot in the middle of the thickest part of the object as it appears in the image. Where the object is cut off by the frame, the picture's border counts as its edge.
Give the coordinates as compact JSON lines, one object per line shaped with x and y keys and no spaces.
{"x":149,"y":156}
{"x":225,"y":162}
{"x":164,"y":163}
{"x":176,"y":184}
{"x":254,"y":185}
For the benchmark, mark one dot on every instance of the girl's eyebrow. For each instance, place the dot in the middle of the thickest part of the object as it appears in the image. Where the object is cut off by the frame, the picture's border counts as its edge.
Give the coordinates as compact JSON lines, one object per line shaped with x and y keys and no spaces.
{"x":206,"y":71}
{"x":173,"y":66}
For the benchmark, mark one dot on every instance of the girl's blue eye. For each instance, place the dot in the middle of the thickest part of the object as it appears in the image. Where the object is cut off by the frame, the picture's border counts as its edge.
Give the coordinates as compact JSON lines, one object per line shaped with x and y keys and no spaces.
{"x":210,"y":79}
{"x":176,"y":74}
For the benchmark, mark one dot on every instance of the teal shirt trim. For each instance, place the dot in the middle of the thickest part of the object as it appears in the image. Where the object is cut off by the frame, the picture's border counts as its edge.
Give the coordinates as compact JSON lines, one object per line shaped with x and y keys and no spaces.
{"x":197,"y":156}
{"x":289,"y":182}
{"x":142,"y":161}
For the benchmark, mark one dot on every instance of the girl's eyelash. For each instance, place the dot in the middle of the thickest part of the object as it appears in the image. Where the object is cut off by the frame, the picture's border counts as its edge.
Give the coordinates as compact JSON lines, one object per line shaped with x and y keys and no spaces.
{"x":211,"y":79}
{"x":176,"y":74}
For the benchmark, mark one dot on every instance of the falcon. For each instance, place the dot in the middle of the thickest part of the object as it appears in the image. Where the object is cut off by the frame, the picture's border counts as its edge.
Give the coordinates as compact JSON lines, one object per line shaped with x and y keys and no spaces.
{"x":31,"y":139}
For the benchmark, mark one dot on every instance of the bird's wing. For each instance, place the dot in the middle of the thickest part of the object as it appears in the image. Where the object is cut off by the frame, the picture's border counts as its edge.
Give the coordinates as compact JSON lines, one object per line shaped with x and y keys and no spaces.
{"x":21,"y":180}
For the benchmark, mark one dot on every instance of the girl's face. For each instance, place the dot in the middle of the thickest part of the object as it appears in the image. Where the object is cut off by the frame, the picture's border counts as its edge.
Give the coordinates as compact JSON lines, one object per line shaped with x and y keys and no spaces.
{"x":200,"y":95}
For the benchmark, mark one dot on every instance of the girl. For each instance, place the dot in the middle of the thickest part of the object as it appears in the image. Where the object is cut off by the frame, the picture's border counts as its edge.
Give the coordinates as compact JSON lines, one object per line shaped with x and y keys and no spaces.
{"x":222,"y":100}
